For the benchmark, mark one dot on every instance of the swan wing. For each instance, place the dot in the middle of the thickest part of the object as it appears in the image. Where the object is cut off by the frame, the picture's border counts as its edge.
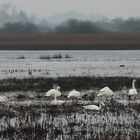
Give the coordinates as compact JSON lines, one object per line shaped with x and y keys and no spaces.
{"x":74,"y":93}
{"x":53,"y":92}
{"x":92,"y":107}
{"x":106,"y":91}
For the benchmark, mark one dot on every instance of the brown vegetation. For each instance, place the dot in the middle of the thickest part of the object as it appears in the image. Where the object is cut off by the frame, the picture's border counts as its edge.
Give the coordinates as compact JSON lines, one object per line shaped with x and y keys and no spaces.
{"x":111,"y":41}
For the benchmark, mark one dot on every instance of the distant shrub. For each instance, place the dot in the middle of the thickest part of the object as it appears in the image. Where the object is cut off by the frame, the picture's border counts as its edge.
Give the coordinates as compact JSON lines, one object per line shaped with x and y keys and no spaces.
{"x":21,"y":57}
{"x":57,"y":56}
{"x":67,"y":56}
{"x":45,"y":57}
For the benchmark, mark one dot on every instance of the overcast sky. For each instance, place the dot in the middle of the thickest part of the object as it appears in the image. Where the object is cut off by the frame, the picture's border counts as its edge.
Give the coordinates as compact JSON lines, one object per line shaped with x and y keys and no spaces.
{"x":110,"y":8}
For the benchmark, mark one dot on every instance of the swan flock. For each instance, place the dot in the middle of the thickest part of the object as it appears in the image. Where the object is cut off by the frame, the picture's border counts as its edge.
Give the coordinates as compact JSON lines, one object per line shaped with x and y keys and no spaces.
{"x":104,"y":92}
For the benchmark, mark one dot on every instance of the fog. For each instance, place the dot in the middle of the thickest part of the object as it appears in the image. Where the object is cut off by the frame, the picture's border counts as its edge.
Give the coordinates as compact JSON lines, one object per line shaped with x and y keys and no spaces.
{"x":10,"y":13}
{"x":14,"y":20}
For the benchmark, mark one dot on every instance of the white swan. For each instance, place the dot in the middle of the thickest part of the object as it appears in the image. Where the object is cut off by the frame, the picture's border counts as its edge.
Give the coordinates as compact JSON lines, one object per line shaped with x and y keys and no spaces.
{"x":55,"y":93}
{"x":106,"y":91}
{"x":94,"y":107}
{"x":3,"y":99}
{"x":132,"y":91}
{"x":74,"y":94}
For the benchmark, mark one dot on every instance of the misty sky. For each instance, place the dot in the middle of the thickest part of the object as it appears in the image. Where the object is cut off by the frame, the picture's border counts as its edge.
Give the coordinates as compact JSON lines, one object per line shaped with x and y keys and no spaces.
{"x":110,"y":8}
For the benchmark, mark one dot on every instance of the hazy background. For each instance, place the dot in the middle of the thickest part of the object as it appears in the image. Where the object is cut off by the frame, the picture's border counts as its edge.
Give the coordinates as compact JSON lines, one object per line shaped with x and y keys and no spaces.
{"x":110,"y":8}
{"x":75,"y":16}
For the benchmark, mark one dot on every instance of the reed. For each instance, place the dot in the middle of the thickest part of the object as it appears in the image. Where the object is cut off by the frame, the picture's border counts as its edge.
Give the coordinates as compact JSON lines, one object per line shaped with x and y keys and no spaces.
{"x":42,"y":121}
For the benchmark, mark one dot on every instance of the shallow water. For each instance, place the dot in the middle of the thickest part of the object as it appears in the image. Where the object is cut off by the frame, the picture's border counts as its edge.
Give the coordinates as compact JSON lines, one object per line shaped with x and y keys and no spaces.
{"x":80,"y":63}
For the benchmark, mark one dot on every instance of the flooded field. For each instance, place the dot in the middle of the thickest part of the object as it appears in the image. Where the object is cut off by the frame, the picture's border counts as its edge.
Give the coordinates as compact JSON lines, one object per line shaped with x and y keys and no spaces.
{"x":25,"y":76}
{"x":24,"y":64}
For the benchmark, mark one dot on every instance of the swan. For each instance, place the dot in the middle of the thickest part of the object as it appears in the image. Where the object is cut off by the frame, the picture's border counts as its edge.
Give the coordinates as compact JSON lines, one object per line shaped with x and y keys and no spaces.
{"x":106,"y":91}
{"x":132,"y":91}
{"x":74,"y":94}
{"x":55,"y":93}
{"x":3,"y":99}
{"x":94,"y":107}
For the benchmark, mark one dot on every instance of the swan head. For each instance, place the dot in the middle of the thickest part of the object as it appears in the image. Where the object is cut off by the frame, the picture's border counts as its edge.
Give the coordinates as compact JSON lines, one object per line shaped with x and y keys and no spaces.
{"x":134,"y":80}
{"x":48,"y":94}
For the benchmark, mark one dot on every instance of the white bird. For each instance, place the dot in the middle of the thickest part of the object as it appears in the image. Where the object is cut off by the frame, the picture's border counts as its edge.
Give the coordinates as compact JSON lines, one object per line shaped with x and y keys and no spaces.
{"x":106,"y":91}
{"x":3,"y":99}
{"x":132,"y":91}
{"x":74,"y":94}
{"x":94,"y":107}
{"x":54,"y":92}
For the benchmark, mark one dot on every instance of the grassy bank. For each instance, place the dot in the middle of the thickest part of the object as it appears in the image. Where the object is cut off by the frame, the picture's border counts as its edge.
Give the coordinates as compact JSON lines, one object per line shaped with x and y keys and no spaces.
{"x":66,"y":83}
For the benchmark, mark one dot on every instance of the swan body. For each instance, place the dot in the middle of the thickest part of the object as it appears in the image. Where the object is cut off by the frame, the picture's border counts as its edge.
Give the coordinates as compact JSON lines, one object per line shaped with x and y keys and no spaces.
{"x":132,"y":91}
{"x":74,"y":94}
{"x":54,"y":92}
{"x":106,"y":91}
{"x":94,"y":107}
{"x":3,"y":99}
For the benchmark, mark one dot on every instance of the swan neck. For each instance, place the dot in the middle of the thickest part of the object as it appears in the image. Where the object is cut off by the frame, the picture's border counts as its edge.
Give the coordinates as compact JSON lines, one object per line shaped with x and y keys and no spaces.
{"x":100,"y":106}
{"x":58,"y":88}
{"x":133,"y":84}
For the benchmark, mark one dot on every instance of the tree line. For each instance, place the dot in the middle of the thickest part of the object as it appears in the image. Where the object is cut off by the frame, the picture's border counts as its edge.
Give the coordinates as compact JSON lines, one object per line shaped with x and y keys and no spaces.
{"x":73,"y":26}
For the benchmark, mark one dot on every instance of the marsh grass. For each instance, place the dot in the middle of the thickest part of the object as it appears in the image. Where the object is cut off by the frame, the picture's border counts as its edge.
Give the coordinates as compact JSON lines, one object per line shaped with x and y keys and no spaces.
{"x":44,"y":57}
{"x":43,"y":121}
{"x":66,"y":83}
